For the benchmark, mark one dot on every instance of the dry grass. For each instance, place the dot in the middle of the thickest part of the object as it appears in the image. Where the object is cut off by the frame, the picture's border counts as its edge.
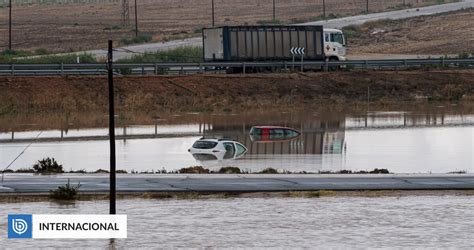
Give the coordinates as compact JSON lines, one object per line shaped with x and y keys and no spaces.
{"x":80,"y":26}
{"x":223,"y":93}
{"x":423,"y":35}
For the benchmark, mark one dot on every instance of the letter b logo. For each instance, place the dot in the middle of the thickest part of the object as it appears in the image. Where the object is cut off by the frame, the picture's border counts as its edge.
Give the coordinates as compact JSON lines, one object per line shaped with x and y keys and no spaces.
{"x":19,"y":226}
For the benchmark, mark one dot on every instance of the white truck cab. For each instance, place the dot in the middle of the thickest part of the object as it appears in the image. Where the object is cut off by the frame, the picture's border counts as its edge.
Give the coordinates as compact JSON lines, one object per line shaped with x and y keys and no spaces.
{"x":334,"y":45}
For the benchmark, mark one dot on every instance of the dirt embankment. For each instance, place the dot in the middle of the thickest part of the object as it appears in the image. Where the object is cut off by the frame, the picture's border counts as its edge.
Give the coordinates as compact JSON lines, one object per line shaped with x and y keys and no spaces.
{"x":61,"y":26}
{"x":232,"y":93}
{"x":444,"y":34}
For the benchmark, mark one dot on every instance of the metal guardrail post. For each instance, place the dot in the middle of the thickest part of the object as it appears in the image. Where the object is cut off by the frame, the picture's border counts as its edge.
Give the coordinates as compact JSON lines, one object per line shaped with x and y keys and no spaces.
{"x":405,"y":62}
{"x":286,"y":66}
{"x":326,"y":65}
{"x":366,"y":64}
{"x":62,"y":69}
{"x":12,"y":67}
{"x":200,"y":68}
{"x":442,"y":62}
{"x":156,"y":69}
{"x":243,"y":66}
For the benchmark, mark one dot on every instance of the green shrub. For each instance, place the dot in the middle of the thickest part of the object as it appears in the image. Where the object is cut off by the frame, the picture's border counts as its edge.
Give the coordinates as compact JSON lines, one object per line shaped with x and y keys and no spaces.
{"x":138,"y":39}
{"x":352,"y":31}
{"x":56,"y":59}
{"x":181,"y":54}
{"x":48,"y":165}
{"x":66,"y":192}
{"x":198,"y":29}
{"x":41,"y":51}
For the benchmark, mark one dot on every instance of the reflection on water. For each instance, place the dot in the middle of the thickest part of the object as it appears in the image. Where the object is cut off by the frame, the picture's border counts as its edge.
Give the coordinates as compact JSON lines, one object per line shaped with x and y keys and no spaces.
{"x":334,"y":222}
{"x":403,"y":142}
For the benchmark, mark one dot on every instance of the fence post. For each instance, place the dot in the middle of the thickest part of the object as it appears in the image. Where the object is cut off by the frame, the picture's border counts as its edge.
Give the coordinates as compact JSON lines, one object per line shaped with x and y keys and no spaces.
{"x":405,"y":63}
{"x":156,"y":69}
{"x":442,"y":61}
{"x":62,"y":69}
{"x":243,"y":66}
{"x":12,"y":68}
{"x":200,"y":68}
{"x":143,"y":70}
{"x":366,"y":64}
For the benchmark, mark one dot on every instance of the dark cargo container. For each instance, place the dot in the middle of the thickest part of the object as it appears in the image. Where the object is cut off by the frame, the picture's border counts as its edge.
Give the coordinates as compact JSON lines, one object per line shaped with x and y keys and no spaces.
{"x":262,"y":43}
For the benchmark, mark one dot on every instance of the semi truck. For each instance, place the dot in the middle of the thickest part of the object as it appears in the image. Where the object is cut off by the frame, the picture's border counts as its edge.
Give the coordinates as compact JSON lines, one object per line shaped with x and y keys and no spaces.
{"x":272,"y":43}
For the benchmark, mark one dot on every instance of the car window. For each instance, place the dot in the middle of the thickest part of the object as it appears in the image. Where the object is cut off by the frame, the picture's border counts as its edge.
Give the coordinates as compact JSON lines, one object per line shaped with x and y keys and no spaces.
{"x":337,"y":38}
{"x":292,"y":133}
{"x":277,"y":132}
{"x":204,"y":144}
{"x":326,"y":37}
{"x":241,"y":150}
{"x":229,"y":150}
{"x":256,"y":131}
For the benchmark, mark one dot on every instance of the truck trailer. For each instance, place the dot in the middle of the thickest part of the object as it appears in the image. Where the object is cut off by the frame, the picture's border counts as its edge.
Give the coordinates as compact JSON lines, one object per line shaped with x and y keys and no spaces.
{"x":272,"y":43}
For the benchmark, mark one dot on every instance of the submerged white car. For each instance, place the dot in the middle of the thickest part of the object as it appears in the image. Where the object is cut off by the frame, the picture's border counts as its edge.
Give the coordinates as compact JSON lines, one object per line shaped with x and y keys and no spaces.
{"x":217,"y":149}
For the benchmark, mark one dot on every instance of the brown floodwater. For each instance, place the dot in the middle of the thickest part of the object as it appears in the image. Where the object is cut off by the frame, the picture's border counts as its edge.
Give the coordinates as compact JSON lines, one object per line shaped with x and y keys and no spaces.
{"x":439,"y":140}
{"x":333,"y":222}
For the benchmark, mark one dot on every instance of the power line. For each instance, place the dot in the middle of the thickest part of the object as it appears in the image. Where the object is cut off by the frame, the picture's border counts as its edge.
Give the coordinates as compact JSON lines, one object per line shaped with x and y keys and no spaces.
{"x":21,"y":153}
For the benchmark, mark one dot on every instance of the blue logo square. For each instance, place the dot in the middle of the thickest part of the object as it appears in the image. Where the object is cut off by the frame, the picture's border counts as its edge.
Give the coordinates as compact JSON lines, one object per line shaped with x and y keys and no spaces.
{"x":20,"y":226}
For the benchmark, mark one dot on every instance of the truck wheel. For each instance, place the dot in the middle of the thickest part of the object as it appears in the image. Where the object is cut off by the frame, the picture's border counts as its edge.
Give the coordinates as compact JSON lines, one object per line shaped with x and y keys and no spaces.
{"x":333,"y":68}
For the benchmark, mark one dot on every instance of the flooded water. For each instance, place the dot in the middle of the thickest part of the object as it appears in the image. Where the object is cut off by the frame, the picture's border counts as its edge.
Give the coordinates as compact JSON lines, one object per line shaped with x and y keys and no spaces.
{"x":334,"y":222}
{"x":402,"y":141}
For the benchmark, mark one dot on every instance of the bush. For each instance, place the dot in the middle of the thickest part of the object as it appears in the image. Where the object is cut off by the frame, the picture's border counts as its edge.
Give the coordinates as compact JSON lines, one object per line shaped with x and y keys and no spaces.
{"x":41,"y":51}
{"x":137,"y":39}
{"x":56,"y":59}
{"x":194,"y":170}
{"x":25,"y":170}
{"x":198,"y":29}
{"x":48,"y":165}
{"x":269,"y":171}
{"x":181,"y":54}
{"x":379,"y":171}
{"x":352,"y":31}
{"x":66,"y":192}
{"x":101,"y":171}
{"x":230,"y":170}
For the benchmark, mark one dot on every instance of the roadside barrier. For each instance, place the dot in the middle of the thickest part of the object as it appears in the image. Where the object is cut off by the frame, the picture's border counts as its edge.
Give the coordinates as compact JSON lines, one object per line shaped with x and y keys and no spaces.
{"x":224,"y":67}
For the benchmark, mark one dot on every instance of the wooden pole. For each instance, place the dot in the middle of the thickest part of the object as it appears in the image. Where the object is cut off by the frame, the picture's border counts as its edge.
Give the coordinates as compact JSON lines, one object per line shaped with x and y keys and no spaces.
{"x":111,"y":131}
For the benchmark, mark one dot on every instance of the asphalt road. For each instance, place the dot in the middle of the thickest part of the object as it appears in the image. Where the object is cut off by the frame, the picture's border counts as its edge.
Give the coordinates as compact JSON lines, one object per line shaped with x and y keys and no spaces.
{"x":23,"y":183}
{"x":333,"y":23}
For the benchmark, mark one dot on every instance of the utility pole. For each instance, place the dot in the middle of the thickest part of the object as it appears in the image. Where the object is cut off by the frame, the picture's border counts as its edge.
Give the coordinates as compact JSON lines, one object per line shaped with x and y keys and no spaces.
{"x":367,"y":7}
{"x":274,"y":11}
{"x":213,"y":23}
{"x":324,"y":9}
{"x":125,"y":13}
{"x":111,"y":129}
{"x":10,"y":27}
{"x":136,"y":19}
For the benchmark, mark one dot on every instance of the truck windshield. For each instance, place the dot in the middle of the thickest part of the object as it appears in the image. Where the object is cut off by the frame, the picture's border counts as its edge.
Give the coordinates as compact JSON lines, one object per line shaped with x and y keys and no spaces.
{"x":337,"y":38}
